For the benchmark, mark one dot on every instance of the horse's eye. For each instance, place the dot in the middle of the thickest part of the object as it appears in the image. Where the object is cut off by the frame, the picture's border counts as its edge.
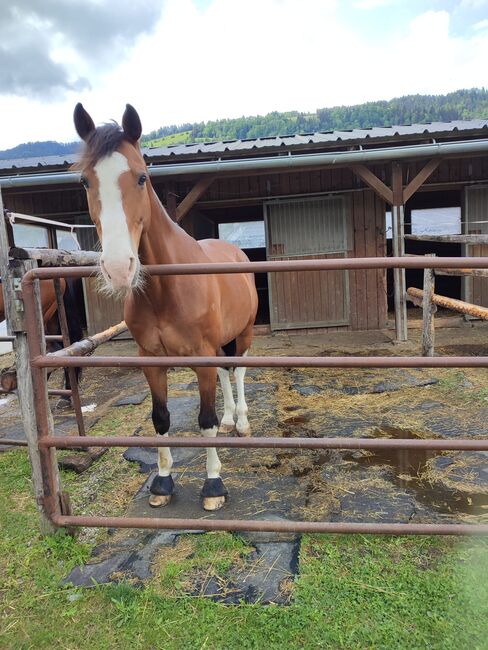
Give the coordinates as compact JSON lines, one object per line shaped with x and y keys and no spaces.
{"x":84,"y":182}
{"x":142,"y":179}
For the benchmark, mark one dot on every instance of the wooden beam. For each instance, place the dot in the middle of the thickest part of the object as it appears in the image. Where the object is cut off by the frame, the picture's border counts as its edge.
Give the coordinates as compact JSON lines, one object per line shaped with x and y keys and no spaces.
{"x":428,"y":311}
{"x":479,"y":273}
{"x":192,"y":197}
{"x":420,"y":179}
{"x":372,"y":181}
{"x":450,"y":239}
{"x":451,"y":303}
{"x":398,"y":241}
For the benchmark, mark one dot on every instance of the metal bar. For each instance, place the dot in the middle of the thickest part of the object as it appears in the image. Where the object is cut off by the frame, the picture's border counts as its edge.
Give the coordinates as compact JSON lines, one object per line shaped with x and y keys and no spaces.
{"x":337,"y":264}
{"x":48,"y":361}
{"x":271,"y":526}
{"x":266,"y":443}
{"x":275,"y":163}
{"x":48,"y":337}
{"x":73,"y":380}
{"x":13,"y":442}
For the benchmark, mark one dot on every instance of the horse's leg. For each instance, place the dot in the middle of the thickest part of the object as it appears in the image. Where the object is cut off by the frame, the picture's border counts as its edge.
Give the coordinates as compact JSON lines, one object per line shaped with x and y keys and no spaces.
{"x":213,"y":491}
{"x":162,"y":487}
{"x":227,"y":423}
{"x":243,"y":342}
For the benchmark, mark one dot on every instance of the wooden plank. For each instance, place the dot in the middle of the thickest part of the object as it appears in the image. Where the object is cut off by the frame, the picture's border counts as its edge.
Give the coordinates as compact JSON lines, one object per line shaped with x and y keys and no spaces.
{"x":55,"y":257}
{"x":372,"y":181}
{"x":420,"y":178}
{"x":450,"y":239}
{"x":192,"y":197}
{"x":101,"y":310}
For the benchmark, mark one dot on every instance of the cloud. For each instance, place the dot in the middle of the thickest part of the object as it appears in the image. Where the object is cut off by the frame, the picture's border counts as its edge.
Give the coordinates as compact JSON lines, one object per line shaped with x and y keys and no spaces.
{"x":371,"y":4}
{"x":47,"y":47}
{"x":482,"y":24}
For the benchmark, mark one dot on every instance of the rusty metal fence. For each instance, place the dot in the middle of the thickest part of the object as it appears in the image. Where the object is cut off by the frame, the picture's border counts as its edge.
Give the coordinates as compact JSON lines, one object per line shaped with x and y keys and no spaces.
{"x":47,"y":444}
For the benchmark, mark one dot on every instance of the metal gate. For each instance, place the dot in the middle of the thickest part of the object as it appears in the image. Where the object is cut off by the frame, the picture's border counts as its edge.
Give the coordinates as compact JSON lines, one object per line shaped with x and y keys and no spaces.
{"x":307,"y":229}
{"x":56,"y":507}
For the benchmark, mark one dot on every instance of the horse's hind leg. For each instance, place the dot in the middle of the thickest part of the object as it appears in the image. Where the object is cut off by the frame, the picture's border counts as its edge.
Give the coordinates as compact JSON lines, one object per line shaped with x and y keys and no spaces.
{"x":213,"y":491}
{"x":162,"y":487}
{"x":244,"y":341}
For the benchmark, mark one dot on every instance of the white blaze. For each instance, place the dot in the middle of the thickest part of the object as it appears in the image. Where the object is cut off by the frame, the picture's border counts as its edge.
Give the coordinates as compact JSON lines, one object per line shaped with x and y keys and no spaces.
{"x":117,"y":253}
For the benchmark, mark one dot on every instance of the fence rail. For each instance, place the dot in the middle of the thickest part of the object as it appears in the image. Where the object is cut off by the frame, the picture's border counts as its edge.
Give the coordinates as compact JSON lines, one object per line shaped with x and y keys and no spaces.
{"x":47,"y":442}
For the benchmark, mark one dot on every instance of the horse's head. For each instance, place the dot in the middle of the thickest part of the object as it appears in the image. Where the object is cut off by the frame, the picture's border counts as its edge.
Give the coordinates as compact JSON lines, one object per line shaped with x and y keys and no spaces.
{"x":115,"y":176}
{"x":8,"y":379}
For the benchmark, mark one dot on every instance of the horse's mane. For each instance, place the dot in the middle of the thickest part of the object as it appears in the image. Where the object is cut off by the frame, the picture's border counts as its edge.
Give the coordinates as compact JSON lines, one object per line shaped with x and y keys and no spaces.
{"x":101,"y":142}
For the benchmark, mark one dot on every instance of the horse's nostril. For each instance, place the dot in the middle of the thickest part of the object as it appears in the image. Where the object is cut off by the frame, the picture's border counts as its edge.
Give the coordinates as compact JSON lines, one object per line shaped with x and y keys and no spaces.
{"x":132,"y":264}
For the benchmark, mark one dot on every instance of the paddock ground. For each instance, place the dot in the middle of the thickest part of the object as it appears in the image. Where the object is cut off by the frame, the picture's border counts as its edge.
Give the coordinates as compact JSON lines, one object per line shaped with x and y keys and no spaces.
{"x":328,"y":591}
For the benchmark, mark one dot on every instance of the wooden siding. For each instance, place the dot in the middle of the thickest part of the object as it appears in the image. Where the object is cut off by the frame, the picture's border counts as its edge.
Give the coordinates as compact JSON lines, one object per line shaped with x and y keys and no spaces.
{"x":369,"y":309}
{"x":476,"y":210}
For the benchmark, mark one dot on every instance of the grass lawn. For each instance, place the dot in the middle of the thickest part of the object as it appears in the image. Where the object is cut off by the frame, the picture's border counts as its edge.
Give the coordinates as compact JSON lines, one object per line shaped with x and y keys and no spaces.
{"x":352,"y":591}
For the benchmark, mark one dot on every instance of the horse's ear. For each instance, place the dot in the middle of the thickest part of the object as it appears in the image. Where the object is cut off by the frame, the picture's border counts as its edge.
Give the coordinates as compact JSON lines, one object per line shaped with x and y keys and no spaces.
{"x":84,"y":124}
{"x":131,"y":124}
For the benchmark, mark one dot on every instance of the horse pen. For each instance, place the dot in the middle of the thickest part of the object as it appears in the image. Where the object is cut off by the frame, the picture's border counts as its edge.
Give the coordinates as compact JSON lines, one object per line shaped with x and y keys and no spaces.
{"x":295,"y":476}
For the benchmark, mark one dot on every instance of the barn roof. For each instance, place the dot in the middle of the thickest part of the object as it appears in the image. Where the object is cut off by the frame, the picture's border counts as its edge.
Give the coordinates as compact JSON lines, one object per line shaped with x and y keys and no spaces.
{"x":328,"y":140}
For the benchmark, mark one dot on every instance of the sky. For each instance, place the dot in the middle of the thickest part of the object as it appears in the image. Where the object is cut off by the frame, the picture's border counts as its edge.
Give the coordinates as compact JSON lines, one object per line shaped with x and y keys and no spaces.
{"x":182,"y":61}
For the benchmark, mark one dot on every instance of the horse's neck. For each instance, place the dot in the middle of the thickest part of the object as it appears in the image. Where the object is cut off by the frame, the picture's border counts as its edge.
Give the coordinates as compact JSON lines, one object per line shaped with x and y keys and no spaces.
{"x":165,"y":242}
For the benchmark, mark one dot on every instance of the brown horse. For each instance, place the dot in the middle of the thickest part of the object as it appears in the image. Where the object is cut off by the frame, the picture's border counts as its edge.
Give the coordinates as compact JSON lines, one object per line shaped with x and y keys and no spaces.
{"x":49,"y":307}
{"x":200,"y":315}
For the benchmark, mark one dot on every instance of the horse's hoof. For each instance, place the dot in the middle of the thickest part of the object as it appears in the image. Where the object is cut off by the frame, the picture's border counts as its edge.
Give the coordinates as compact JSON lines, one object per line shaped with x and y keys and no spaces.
{"x":159,"y":500}
{"x":213,"y":503}
{"x":244,"y":432}
{"x":226,"y":428}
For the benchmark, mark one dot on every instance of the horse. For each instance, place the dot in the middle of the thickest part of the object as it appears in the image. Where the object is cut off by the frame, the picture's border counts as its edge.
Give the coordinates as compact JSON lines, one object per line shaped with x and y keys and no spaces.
{"x":49,"y":308}
{"x":193,"y":315}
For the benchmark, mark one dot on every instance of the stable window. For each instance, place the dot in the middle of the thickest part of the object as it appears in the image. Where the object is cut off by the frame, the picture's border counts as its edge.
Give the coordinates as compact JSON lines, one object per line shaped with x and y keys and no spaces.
{"x":436,"y":221}
{"x":27,"y":236}
{"x":245,"y":234}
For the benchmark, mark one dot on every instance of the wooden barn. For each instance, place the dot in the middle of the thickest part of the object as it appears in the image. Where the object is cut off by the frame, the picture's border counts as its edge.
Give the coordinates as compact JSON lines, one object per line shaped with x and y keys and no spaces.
{"x":358,"y":193}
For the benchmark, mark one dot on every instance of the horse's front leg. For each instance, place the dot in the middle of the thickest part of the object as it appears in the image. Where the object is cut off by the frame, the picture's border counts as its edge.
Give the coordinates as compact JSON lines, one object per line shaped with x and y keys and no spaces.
{"x":213,"y":491}
{"x":162,"y":487}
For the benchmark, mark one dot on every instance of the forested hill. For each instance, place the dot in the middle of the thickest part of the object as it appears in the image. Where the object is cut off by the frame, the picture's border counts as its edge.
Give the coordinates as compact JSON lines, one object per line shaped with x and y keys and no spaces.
{"x":459,"y":105}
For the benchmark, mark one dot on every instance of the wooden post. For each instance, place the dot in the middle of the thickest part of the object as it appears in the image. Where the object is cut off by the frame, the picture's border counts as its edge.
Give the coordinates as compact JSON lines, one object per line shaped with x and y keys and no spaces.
{"x":428,"y":311}
{"x":399,"y":251}
{"x":41,"y":462}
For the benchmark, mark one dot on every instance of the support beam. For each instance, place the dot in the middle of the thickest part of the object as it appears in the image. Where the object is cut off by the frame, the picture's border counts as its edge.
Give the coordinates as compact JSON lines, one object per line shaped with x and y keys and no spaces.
{"x":399,"y":251}
{"x":474,"y":240}
{"x":54,"y":257}
{"x":428,"y":311}
{"x":420,"y":179}
{"x":372,"y":181}
{"x":192,"y":197}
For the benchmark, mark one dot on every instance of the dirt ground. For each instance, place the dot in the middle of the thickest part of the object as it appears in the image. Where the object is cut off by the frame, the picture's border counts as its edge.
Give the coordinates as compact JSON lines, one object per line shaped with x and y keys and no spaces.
{"x":324,"y":485}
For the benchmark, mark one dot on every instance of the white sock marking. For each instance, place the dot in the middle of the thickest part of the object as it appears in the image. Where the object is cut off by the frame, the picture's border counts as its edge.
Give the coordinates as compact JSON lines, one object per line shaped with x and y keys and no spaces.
{"x":229,"y":404}
{"x":213,"y":462}
{"x":165,"y":460}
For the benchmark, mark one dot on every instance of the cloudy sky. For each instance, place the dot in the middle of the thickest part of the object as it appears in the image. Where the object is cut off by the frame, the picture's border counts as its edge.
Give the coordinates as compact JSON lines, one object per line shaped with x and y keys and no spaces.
{"x":193,"y":60}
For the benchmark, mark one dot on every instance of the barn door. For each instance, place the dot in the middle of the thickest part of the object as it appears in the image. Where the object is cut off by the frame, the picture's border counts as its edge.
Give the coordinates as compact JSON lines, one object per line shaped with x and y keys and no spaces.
{"x":307,"y":229}
{"x":476,"y":210}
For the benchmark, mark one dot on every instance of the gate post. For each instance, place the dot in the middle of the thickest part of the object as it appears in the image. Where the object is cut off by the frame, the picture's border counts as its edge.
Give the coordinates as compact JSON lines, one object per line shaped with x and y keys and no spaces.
{"x":428,"y":311}
{"x":45,"y":474}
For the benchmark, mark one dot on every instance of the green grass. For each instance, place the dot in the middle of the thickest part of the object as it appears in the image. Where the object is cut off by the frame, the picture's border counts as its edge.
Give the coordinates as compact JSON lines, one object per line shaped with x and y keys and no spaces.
{"x":352,"y":591}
